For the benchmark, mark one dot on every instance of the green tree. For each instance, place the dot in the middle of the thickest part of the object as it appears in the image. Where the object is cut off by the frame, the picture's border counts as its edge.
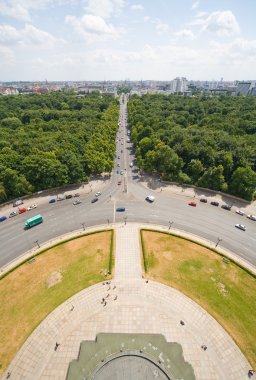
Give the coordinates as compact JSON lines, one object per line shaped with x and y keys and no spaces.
{"x":243,"y":183}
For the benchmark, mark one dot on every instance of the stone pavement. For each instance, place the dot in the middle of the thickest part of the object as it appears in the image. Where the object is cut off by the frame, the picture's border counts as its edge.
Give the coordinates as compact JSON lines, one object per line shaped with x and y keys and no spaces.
{"x":132,"y":306}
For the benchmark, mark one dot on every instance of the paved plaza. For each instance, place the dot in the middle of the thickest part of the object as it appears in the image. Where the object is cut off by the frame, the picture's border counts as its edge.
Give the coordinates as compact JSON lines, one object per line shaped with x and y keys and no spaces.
{"x":131,"y":305}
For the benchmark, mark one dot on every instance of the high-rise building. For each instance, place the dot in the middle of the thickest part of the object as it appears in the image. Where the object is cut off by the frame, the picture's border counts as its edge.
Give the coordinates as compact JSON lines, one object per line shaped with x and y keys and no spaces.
{"x":179,"y":85}
{"x":246,"y":88}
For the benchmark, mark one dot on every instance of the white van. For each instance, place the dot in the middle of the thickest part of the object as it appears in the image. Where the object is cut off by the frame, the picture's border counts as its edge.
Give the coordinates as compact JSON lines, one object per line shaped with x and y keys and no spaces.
{"x":150,"y":198}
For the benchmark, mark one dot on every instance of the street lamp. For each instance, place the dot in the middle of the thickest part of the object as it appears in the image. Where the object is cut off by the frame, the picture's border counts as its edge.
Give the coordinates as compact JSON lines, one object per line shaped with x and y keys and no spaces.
{"x":125,"y":219}
{"x":108,"y":221}
{"x":38,"y":245}
{"x":218,"y":241}
{"x":170,"y":224}
{"x":83,"y":225}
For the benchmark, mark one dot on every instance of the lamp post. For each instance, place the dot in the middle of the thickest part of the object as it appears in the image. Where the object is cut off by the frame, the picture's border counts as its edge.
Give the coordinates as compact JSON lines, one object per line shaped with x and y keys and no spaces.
{"x":125,"y":219}
{"x":83,"y":225}
{"x":170,"y":224}
{"x":38,"y":245}
{"x":218,"y":241}
{"x":108,"y":221}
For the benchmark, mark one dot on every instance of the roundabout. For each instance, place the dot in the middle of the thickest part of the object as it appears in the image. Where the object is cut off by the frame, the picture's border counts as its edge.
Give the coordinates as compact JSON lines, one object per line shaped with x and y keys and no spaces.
{"x":132,"y":305}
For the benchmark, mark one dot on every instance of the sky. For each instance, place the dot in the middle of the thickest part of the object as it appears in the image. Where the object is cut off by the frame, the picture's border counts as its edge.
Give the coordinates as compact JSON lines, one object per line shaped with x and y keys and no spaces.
{"x":127,"y":40}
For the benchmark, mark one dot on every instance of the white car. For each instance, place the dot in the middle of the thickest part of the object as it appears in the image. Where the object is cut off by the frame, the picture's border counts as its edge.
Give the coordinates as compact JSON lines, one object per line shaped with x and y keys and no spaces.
{"x":131,"y":164}
{"x":121,"y":172}
{"x":240,"y":212}
{"x":31,"y":207}
{"x":98,"y":194}
{"x":150,"y":198}
{"x":240,"y":226}
{"x":252,"y":217}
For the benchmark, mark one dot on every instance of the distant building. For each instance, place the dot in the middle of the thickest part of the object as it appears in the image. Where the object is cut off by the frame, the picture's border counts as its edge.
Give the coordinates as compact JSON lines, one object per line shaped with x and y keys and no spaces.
{"x":179,"y":85}
{"x":246,"y":88}
{"x":8,"y":91}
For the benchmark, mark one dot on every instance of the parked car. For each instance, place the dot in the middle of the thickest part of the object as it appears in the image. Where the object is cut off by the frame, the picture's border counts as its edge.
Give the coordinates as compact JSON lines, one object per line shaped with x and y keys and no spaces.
{"x":68,"y":196}
{"x":119,"y":182}
{"x":240,"y":212}
{"x":52,"y":200}
{"x":59,"y":199}
{"x":77,"y":195}
{"x":214,"y":203}
{"x":77,"y":202}
{"x":22,"y":209}
{"x":3,"y":218}
{"x":18,"y":203}
{"x":31,"y":207}
{"x":252,"y":217}
{"x":94,"y":200}
{"x":12,"y":214}
{"x":226,"y":207}
{"x":98,"y":194}
{"x":121,"y":172}
{"x":150,"y":198}
{"x":118,"y":164}
{"x":240,"y":227}
{"x":192,"y":204}
{"x":120,"y":209}
{"x":204,"y":200}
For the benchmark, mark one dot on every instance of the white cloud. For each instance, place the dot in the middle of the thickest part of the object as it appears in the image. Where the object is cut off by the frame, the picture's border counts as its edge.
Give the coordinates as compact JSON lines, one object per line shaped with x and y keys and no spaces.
{"x":195,"y":5}
{"x":161,"y":27}
{"x":137,"y":7}
{"x":25,"y":37}
{"x":220,"y":22}
{"x":104,"y":8}
{"x":186,"y":34}
{"x":93,"y":28}
{"x":18,"y":11}
{"x":6,"y":54}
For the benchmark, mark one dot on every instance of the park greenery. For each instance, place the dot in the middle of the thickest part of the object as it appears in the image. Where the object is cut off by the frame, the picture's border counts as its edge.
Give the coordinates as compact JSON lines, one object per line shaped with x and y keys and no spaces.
{"x":55,"y":139}
{"x":205,"y":141}
{"x":225,"y":290}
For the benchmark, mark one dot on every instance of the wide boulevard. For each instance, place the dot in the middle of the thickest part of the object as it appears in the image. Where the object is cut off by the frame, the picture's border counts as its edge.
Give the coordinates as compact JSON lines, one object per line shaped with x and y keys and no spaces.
{"x":168,"y":209}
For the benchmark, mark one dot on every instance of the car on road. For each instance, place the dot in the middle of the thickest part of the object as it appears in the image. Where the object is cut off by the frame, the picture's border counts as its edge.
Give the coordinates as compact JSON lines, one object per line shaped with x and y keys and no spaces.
{"x":12,"y":214}
{"x":3,"y":218}
{"x":77,"y":202}
{"x":68,"y":196}
{"x":240,"y":212}
{"x":121,"y":172}
{"x":118,"y":164}
{"x":192,"y":204}
{"x":203,"y":200}
{"x":226,"y":207}
{"x":119,"y":182}
{"x":94,"y":200}
{"x":52,"y":200}
{"x":22,"y":209}
{"x":77,"y":195}
{"x":31,"y":207}
{"x":150,"y":198}
{"x":18,"y":203}
{"x":214,"y":203}
{"x":98,"y":194}
{"x":240,"y":227}
{"x":59,"y":199}
{"x":118,"y":157}
{"x":131,"y":164}
{"x":252,"y":217}
{"x":120,"y":209}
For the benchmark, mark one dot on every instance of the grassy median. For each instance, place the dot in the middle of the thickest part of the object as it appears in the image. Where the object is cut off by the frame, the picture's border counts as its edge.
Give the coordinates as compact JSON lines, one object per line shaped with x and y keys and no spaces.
{"x":30,"y":292}
{"x":225,"y":290}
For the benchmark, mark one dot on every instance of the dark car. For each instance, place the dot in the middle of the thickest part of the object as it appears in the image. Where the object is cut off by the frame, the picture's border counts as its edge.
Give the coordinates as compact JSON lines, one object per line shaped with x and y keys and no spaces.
{"x":52,"y":200}
{"x":120,"y":209}
{"x":68,"y":196}
{"x":204,"y":200}
{"x":12,"y":214}
{"x":3,"y":218}
{"x":94,"y":200}
{"x":226,"y":207}
{"x":214,"y":203}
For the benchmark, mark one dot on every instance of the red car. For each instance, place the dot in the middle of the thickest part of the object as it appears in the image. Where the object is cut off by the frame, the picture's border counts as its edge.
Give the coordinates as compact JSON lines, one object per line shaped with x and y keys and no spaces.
{"x":192,"y":204}
{"x":119,"y":182}
{"x":22,"y":209}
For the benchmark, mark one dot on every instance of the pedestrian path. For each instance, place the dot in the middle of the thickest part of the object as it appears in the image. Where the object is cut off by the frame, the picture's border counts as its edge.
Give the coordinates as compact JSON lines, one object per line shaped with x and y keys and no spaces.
{"x":131,"y":305}
{"x":127,"y":252}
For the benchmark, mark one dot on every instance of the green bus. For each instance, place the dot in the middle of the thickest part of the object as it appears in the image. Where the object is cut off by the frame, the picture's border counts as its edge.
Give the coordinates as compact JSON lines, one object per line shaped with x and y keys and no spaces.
{"x":33,"y":222}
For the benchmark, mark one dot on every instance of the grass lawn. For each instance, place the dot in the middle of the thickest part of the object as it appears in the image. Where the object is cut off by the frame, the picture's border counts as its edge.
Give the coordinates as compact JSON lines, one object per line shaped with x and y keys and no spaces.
{"x":32,"y":291}
{"x":226,"y":291}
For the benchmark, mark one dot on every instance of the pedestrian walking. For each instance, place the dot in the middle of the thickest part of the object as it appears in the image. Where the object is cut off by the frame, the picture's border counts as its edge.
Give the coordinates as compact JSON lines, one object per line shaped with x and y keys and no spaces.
{"x":8,"y":375}
{"x":72,"y":308}
{"x":115,"y":298}
{"x":250,"y":373}
{"x":204,"y":347}
{"x":107,"y":295}
{"x":56,"y":346}
{"x":182,"y":323}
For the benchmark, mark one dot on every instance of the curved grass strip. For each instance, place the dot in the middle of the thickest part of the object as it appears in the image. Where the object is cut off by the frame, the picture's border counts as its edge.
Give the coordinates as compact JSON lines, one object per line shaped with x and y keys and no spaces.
{"x":35,"y":288}
{"x":224,"y":289}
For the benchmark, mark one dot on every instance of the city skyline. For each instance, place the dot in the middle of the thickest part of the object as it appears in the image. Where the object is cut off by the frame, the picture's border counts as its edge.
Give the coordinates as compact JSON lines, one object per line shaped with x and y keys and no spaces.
{"x":122,"y":39}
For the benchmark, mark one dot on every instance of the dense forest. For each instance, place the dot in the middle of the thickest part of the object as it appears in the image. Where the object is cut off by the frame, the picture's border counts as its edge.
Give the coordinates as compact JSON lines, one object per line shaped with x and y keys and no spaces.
{"x":55,"y":139}
{"x":205,"y":141}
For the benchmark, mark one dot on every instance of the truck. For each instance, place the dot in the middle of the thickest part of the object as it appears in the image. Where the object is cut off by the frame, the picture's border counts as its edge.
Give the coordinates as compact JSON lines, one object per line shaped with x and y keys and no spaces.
{"x":33,"y":222}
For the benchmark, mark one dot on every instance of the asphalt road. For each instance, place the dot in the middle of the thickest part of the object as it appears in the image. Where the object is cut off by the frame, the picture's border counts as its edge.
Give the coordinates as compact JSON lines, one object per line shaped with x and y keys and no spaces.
{"x":61,"y":217}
